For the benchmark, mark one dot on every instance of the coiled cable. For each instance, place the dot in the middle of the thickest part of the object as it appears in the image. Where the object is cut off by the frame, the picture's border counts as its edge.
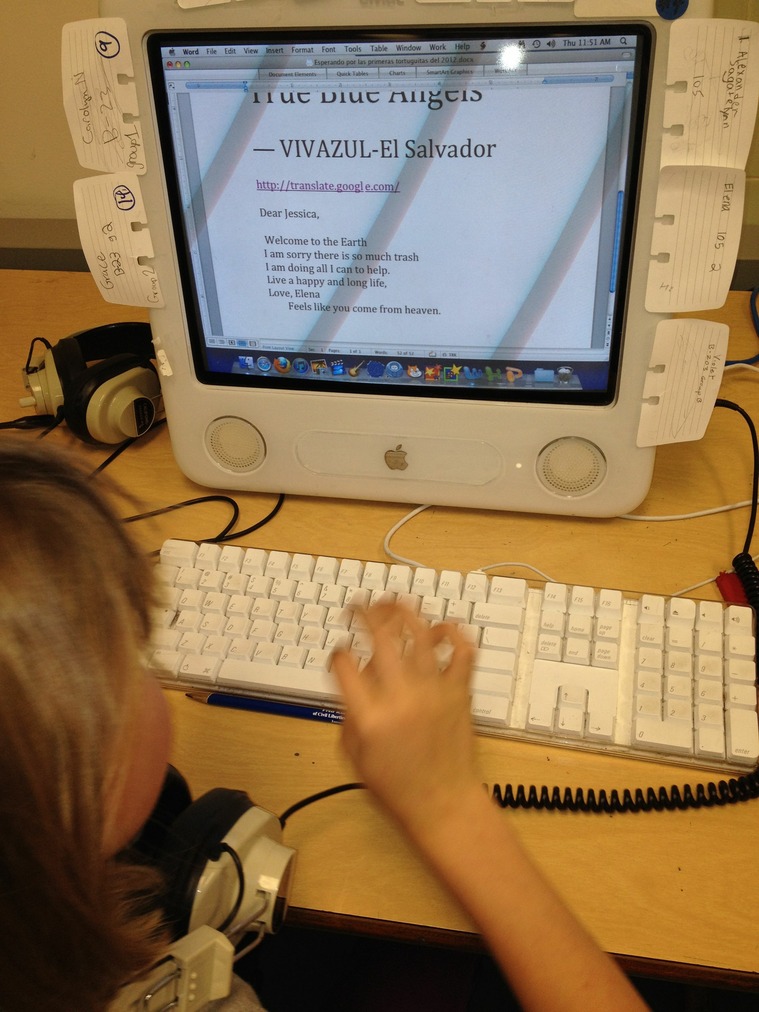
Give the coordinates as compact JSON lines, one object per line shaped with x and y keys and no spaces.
{"x":614,"y":802}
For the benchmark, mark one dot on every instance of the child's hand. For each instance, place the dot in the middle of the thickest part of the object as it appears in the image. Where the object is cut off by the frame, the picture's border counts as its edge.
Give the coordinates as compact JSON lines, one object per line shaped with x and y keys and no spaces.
{"x":407,"y":724}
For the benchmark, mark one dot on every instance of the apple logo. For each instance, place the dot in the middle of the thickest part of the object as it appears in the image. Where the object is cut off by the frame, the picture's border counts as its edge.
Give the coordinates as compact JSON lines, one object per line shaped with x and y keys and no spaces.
{"x":396,"y":459}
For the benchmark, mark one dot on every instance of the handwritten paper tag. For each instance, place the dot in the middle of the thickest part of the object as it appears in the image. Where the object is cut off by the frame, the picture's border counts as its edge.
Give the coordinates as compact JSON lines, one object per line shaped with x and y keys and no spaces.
{"x":710,"y":106}
{"x":116,"y":242}
{"x":694,"y":245}
{"x":682,"y":382}
{"x":99,"y":95}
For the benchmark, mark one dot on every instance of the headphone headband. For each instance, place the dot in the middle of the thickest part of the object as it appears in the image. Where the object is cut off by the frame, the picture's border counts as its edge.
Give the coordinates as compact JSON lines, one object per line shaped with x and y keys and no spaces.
{"x":115,"y":339}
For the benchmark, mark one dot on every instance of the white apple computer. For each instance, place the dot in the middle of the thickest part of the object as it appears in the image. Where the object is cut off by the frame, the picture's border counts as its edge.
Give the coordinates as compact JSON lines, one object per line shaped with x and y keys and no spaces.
{"x":403,"y":246}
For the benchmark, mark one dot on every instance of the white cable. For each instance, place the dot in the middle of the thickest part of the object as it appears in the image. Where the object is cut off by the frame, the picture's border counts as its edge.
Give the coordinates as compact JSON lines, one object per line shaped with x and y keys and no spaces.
{"x":526,"y":565}
{"x":742,"y":365}
{"x":397,"y":527}
{"x":517,"y":565}
{"x":688,"y":516}
{"x":252,"y":945}
{"x":481,"y":569}
{"x":705,"y":583}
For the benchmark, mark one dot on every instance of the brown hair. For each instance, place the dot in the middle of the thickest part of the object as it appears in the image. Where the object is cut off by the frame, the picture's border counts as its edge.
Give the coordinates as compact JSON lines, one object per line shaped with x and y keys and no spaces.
{"x":75,"y":603}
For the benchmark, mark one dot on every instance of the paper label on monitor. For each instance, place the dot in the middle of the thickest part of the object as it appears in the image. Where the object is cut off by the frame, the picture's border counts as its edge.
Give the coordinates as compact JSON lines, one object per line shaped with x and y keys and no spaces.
{"x":713,"y":89}
{"x":115,"y":239}
{"x":694,"y":245}
{"x":99,"y":95}
{"x":682,"y":382}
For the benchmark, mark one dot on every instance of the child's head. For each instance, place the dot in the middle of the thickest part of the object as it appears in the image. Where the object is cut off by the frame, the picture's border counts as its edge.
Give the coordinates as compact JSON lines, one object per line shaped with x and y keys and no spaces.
{"x":83,"y":735}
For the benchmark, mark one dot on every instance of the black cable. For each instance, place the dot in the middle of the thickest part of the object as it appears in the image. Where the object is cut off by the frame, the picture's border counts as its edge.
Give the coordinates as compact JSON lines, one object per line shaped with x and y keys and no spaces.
{"x":55,"y":421}
{"x":755,"y":321}
{"x":28,"y":422}
{"x":112,"y":456}
{"x":317,"y":797}
{"x":28,"y":364}
{"x":743,"y":564}
{"x":194,"y":502}
{"x":254,"y":527}
{"x":568,"y":799}
{"x":226,"y":533}
{"x":721,"y":403}
{"x":129,"y":441}
{"x":224,"y":848}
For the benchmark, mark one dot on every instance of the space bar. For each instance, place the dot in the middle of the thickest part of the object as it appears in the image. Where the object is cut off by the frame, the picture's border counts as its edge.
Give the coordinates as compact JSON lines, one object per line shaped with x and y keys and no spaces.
{"x":260,"y":676}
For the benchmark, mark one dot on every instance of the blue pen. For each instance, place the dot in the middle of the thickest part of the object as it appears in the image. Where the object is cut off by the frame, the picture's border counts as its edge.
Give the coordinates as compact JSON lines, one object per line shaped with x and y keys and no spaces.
{"x":267,"y":706}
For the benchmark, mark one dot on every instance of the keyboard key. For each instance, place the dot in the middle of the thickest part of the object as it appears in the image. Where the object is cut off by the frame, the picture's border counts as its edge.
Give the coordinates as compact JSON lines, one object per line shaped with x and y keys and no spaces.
{"x":681,"y":611}
{"x":254,"y":562}
{"x":609,"y":604}
{"x":496,"y":661}
{"x":179,"y":553}
{"x":424,"y":582}
{"x":555,"y":596}
{"x":491,"y":710}
{"x":582,"y":599}
{"x":742,"y":735}
{"x":399,"y":579}
{"x":660,"y":735}
{"x":651,"y":609}
{"x":502,"y":615}
{"x":508,"y":590}
{"x":450,"y":585}
{"x":492,"y":682}
{"x":570,"y":721}
{"x":326,"y":569}
{"x":302,"y":567}
{"x":577,"y":651}
{"x":231,"y":559}
{"x":349,"y":573}
{"x":271,"y":678}
{"x":277,"y":565}
{"x":582,"y":626}
{"x":199,"y":668}
{"x":375,"y":575}
{"x":475,"y":587}
{"x":208,"y":556}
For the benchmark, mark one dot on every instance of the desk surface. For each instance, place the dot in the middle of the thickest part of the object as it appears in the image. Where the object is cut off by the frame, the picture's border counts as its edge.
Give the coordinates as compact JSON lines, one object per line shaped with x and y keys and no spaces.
{"x":671,"y":893}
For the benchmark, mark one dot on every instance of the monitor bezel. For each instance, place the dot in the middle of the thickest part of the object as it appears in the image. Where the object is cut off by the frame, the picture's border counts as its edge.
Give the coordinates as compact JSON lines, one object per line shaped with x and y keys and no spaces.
{"x":567,"y":396}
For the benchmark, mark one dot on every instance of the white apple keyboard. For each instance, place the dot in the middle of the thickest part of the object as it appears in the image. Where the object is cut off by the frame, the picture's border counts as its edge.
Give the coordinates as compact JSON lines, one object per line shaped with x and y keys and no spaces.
{"x":670,"y":679}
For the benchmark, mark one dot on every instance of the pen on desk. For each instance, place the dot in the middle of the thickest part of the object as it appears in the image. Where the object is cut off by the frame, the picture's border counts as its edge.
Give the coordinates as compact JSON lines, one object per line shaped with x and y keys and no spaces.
{"x":267,"y":706}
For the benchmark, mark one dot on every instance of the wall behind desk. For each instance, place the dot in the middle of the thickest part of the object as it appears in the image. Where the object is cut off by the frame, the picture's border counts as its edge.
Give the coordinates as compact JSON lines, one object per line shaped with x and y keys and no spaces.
{"x":37,"y":162}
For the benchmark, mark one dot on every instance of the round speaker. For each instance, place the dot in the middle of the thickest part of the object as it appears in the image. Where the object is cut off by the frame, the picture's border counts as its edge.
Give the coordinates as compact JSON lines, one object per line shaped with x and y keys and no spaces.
{"x":571,"y":466}
{"x":235,"y":444}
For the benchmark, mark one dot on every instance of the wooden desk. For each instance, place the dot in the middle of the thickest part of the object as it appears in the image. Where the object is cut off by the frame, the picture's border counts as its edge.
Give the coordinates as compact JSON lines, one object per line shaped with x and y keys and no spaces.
{"x":672,"y":893}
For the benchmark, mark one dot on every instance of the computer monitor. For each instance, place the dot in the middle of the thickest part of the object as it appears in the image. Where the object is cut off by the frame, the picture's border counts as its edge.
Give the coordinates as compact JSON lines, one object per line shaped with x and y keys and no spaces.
{"x":403,"y":247}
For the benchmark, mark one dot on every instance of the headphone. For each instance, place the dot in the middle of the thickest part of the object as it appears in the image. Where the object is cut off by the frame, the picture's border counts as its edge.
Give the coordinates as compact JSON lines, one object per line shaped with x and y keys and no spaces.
{"x":221,"y":860}
{"x":225,"y":875}
{"x":116,"y":398}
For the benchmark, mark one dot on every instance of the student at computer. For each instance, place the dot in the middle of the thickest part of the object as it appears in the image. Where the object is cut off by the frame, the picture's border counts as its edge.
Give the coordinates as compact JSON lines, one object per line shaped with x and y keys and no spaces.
{"x":84,"y":741}
{"x":408,"y":731}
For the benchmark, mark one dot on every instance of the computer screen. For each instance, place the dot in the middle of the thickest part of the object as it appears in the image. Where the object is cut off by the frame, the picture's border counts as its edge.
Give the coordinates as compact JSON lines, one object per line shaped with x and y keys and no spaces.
{"x":435,"y":213}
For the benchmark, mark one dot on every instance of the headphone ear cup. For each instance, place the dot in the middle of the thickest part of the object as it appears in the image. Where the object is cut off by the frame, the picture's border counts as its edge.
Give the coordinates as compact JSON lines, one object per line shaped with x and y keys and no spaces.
{"x":174,"y":799}
{"x":191,"y":842}
{"x":87,"y":408}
